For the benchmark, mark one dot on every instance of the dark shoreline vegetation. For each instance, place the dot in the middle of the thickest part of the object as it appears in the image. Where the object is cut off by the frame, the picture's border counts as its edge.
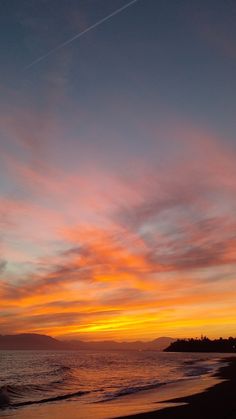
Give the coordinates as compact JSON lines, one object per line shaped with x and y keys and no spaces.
{"x":203,"y":345}
{"x":218,"y":402}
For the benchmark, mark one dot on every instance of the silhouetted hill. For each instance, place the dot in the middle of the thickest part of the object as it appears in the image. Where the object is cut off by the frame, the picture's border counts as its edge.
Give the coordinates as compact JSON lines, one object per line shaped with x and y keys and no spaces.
{"x":27,"y":341}
{"x":203,"y":345}
{"x":31,"y":341}
{"x":156,"y":345}
{"x":160,"y":343}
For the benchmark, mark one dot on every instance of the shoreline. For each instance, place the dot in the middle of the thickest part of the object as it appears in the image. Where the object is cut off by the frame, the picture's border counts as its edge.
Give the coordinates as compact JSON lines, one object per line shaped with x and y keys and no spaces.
{"x":217,"y":402}
{"x":209,"y":397}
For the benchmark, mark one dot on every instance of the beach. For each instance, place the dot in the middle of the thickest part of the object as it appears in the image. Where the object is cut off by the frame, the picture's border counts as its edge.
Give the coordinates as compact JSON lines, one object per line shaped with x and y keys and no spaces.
{"x":218,"y":402}
{"x":204,"y":397}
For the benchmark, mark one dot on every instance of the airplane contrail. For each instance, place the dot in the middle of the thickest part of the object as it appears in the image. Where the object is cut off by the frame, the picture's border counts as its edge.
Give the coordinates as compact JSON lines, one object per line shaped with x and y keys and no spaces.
{"x":69,"y":41}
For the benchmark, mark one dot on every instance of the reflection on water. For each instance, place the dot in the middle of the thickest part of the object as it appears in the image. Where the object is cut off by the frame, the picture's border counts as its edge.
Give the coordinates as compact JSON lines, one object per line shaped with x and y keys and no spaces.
{"x":29,"y":377}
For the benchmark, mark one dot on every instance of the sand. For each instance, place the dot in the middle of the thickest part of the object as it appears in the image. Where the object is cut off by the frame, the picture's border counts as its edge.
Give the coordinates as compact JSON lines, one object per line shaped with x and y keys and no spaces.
{"x":218,"y":402}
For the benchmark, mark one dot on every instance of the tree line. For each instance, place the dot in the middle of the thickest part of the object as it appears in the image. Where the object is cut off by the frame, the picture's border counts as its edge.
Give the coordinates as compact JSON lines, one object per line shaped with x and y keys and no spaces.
{"x":204,"y":344}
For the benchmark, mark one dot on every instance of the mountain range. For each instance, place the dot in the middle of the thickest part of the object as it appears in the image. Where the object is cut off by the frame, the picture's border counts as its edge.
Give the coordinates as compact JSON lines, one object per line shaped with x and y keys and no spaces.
{"x":32,"y":341}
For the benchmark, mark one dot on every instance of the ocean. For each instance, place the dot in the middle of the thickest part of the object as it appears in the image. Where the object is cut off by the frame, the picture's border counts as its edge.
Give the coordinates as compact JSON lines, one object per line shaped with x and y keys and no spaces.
{"x":44,"y":377}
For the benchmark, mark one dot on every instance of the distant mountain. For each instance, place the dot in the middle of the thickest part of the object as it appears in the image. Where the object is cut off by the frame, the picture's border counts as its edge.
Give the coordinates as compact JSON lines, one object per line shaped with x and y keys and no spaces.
{"x":160,"y":343}
{"x":155,"y":345}
{"x":32,"y":341}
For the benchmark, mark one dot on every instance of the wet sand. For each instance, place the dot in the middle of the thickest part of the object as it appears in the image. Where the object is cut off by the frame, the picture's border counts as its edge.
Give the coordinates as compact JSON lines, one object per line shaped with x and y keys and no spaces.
{"x":218,"y":402}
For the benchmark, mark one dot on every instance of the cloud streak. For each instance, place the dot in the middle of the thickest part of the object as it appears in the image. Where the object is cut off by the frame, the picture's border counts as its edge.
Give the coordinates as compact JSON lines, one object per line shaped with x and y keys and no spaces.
{"x":80,"y":34}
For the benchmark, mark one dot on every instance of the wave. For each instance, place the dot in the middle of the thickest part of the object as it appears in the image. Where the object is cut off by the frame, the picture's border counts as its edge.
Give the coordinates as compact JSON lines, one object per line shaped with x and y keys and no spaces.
{"x":197,"y":371}
{"x":60,"y":369}
{"x":196,"y":368}
{"x":54,"y":381}
{"x":194,"y":361}
{"x":136,"y":389}
{"x":8,"y":392}
{"x":51,"y":399}
{"x":56,"y":371}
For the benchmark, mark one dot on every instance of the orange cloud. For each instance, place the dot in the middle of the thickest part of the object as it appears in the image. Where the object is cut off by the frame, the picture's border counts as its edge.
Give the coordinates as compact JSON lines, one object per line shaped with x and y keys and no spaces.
{"x":97,"y":255}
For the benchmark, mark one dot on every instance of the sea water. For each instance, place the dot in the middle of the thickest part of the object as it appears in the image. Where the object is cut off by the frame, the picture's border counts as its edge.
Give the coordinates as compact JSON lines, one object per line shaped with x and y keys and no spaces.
{"x":36,"y":377}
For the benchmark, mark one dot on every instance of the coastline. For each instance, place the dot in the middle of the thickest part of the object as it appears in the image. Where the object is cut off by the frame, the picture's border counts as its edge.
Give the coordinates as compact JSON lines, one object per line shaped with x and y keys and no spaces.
{"x":210,"y":397}
{"x":218,"y":402}
{"x":128,"y":405}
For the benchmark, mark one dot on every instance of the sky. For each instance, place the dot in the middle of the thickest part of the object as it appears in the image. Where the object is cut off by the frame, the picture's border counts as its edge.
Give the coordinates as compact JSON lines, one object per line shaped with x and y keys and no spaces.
{"x":117,"y":168}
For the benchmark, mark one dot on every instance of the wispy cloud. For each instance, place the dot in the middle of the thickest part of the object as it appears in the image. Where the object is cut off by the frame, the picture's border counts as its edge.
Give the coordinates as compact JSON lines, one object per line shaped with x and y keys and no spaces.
{"x":82,"y":33}
{"x":102,"y":253}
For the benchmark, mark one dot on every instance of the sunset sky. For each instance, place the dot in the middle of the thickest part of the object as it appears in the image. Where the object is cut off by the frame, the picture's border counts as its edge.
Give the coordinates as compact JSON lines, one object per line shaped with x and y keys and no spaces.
{"x":118,"y":169}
